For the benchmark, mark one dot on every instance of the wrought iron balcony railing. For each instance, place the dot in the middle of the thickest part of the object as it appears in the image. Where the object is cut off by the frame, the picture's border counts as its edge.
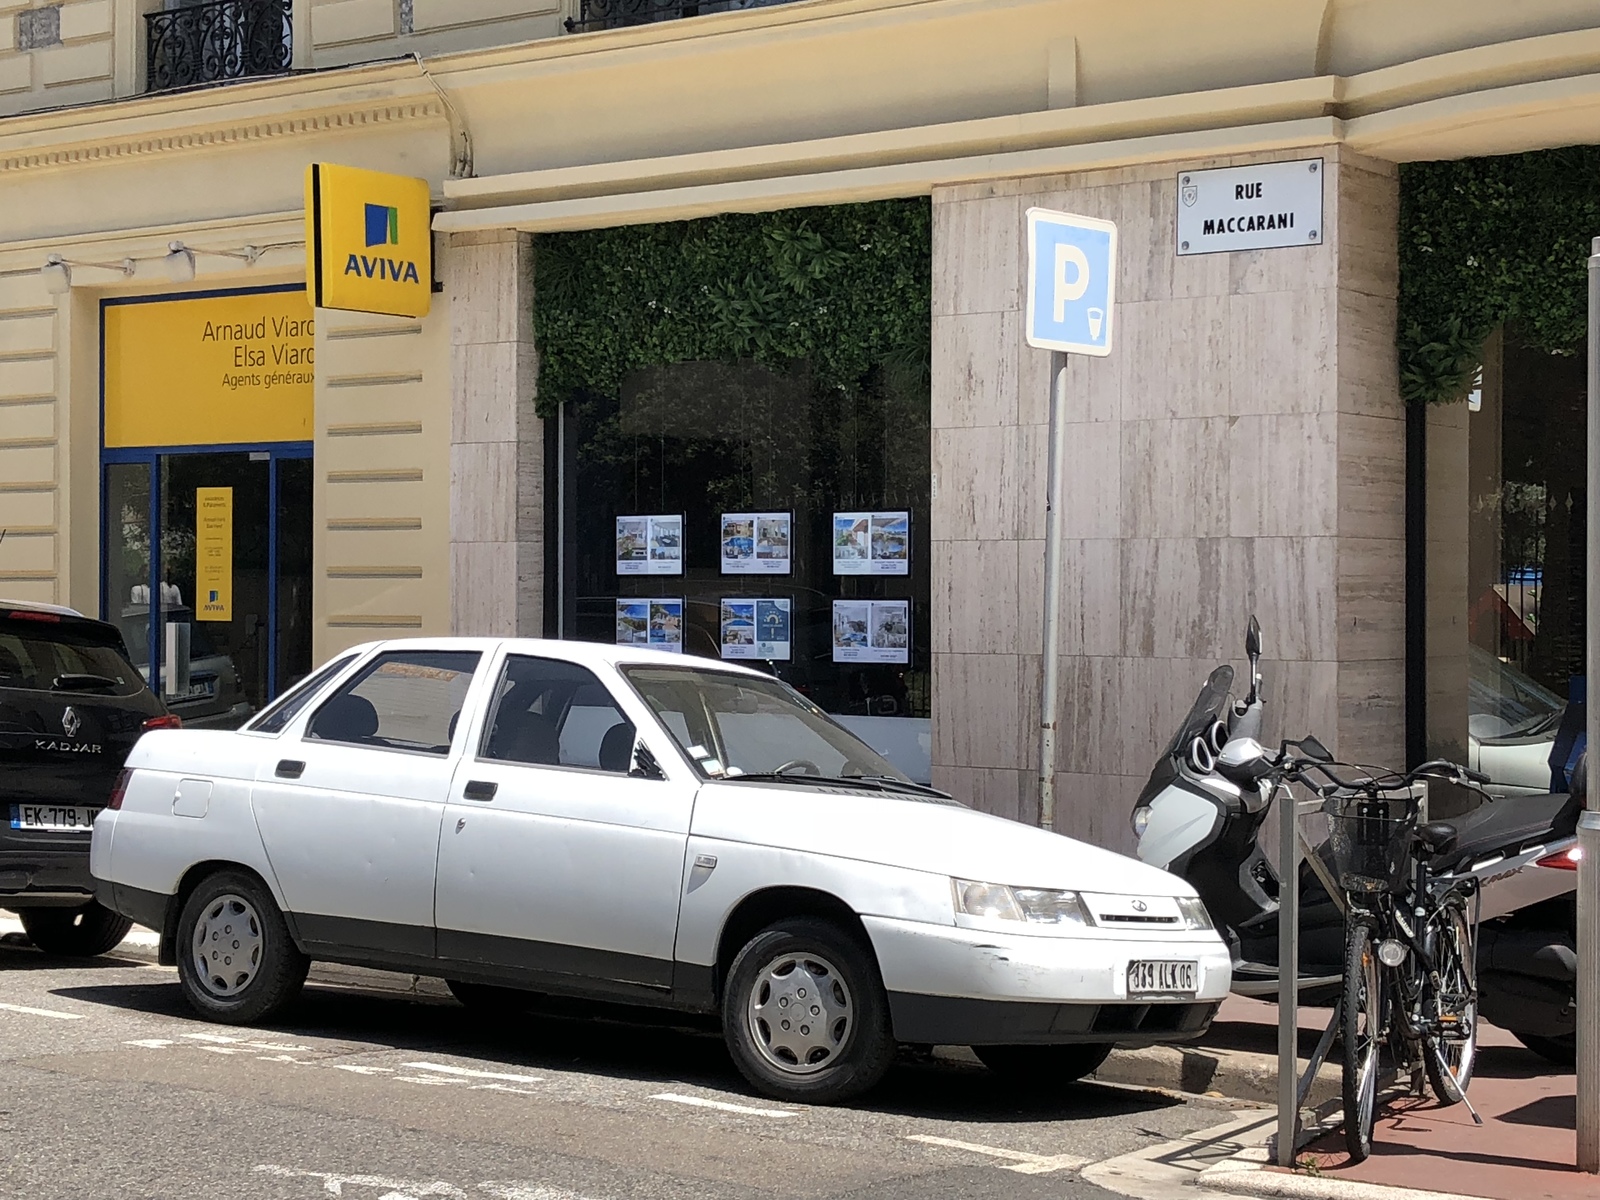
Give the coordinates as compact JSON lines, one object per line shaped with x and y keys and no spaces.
{"x":224,"y":39}
{"x":611,"y":14}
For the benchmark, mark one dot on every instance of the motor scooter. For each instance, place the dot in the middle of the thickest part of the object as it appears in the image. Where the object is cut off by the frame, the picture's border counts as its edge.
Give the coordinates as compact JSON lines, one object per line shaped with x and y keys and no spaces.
{"x":1201,"y":813}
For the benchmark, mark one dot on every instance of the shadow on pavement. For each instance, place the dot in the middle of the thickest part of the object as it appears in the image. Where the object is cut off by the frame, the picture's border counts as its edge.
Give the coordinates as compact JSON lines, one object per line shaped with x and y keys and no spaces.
{"x":642,"y":1045}
{"x":18,"y":954}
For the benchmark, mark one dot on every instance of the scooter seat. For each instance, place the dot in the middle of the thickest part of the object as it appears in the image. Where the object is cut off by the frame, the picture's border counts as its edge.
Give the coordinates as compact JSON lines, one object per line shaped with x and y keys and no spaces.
{"x":1508,"y":824}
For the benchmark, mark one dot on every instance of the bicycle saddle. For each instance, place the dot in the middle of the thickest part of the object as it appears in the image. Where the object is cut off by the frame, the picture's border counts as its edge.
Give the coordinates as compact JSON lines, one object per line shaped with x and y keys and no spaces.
{"x":1437,"y":837}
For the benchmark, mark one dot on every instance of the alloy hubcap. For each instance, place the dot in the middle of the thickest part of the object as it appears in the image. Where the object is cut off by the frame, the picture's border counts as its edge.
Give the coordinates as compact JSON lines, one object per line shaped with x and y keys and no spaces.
{"x":800,"y":1012}
{"x":227,"y":946}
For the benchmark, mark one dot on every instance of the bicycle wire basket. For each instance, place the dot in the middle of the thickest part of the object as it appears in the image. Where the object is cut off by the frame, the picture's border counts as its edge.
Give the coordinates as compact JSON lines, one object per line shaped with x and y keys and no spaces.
{"x":1371,"y":840}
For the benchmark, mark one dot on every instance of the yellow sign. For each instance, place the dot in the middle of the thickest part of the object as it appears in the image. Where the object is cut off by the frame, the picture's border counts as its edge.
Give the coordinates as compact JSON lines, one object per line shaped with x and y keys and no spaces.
{"x":225,"y":369}
{"x":370,"y":241}
{"x":213,"y":554}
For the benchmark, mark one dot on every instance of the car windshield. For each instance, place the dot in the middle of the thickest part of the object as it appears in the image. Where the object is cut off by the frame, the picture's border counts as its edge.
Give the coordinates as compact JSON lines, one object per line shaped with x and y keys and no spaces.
{"x":1503,"y":702}
{"x":731,"y":725}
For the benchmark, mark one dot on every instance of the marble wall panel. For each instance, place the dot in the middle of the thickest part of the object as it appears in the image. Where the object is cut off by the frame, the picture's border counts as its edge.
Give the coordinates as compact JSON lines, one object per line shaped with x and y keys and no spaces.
{"x":1287,"y":584}
{"x":975,"y":597}
{"x":978,"y":267}
{"x":1283,"y":343}
{"x":975,"y":483}
{"x":975,"y":721}
{"x":1284,"y":475}
{"x":973,"y":385}
{"x":1175,"y":358}
{"x":1170,"y":592}
{"x":1176,"y":478}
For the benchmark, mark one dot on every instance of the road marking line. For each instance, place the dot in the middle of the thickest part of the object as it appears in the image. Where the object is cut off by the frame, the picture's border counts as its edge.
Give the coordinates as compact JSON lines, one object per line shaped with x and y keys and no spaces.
{"x":42,"y":1012}
{"x":431,"y":1082}
{"x":334,"y":1185}
{"x":286,"y":1058}
{"x":501,"y":1087}
{"x":465,"y":1073}
{"x":355,"y":1070}
{"x":213,"y":1037}
{"x":151,"y":1043}
{"x":221,"y":1049}
{"x":1021,"y":1160}
{"x":721,"y":1106}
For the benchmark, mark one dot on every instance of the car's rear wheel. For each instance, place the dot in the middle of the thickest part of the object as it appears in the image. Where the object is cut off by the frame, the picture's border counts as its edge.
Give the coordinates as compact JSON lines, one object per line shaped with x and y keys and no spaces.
{"x":804,"y":1014}
{"x":236,"y":961}
{"x":1039,"y":1067}
{"x":75,"y":932}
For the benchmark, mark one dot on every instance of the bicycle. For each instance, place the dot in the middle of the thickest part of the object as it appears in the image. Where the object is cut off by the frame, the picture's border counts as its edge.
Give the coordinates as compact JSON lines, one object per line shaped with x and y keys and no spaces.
{"x":1410,"y":970}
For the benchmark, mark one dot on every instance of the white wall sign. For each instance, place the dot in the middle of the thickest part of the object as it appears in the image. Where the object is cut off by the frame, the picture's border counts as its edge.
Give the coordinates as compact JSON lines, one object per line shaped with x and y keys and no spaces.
{"x":1250,"y":208}
{"x":876,"y":631}
{"x":754,"y":628}
{"x":756,"y":543}
{"x":650,"y":545}
{"x":872,"y":543}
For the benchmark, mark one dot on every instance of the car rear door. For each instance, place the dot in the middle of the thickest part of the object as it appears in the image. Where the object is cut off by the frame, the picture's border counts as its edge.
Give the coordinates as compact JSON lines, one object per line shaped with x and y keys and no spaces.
{"x":553,"y":858}
{"x":71,"y":708}
{"x":349,"y":805}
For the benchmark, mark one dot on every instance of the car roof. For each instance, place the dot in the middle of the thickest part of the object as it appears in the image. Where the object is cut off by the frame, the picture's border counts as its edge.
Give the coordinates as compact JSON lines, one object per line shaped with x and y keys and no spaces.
{"x":586,"y":653}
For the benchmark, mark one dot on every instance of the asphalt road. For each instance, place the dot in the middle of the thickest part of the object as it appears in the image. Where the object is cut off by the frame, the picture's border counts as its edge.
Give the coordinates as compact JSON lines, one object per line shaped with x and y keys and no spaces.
{"x":109,"y":1087}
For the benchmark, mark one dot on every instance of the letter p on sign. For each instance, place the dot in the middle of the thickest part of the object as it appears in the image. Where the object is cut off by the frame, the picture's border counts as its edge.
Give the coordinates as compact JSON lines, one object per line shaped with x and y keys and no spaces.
{"x":1072,"y":264}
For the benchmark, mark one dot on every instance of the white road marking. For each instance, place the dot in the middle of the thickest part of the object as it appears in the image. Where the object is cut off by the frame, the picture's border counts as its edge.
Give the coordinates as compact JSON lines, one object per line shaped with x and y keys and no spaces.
{"x":465,"y":1073}
{"x":151,"y":1043}
{"x":246,"y":1043}
{"x":500,"y":1087}
{"x":429,"y":1080}
{"x":42,"y":1012}
{"x":526,"y":1191}
{"x":721,"y":1106}
{"x":1020,"y":1160}
{"x":220,"y":1049}
{"x":396,"y":1189}
{"x":218,"y":1038}
{"x":355,"y":1070}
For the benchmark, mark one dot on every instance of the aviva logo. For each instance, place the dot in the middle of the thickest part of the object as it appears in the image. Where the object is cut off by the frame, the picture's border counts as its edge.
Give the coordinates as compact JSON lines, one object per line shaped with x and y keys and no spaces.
{"x":383,"y":229}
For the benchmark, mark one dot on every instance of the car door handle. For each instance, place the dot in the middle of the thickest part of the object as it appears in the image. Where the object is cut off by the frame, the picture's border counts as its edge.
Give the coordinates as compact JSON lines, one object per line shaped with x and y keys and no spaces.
{"x":480,"y":789}
{"x":288,"y":768}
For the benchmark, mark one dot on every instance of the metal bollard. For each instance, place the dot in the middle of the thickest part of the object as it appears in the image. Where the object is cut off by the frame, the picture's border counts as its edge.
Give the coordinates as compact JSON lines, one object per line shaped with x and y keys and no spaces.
{"x":1588,"y":1124}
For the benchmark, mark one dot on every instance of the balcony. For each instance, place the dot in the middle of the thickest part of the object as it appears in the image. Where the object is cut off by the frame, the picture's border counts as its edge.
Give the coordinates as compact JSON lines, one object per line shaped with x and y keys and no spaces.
{"x":217,"y":41}
{"x":613,"y":14}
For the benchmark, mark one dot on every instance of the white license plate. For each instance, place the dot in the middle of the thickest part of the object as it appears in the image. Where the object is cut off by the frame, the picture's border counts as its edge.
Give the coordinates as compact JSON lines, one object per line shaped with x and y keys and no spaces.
{"x":52,"y":818}
{"x":1148,"y":978}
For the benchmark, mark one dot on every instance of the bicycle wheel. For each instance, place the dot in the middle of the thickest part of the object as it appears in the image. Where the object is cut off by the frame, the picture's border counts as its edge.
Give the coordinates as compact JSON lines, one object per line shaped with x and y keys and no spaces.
{"x":1451,"y":1052}
{"x":1362,"y":1026}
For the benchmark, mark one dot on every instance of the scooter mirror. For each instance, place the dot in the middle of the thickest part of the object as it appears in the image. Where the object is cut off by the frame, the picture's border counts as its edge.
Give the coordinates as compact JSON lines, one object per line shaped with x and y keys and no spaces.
{"x":1252,"y":639}
{"x":1313,"y":749}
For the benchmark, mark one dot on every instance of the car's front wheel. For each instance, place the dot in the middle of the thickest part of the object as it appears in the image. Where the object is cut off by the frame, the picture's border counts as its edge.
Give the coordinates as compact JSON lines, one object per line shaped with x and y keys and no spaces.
{"x":75,"y":932}
{"x":1037,"y":1068}
{"x":804,"y":1014}
{"x":236,"y":961}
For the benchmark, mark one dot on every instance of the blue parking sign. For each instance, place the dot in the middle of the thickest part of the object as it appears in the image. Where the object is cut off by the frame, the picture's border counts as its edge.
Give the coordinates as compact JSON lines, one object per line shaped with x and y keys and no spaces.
{"x":1072,"y":275}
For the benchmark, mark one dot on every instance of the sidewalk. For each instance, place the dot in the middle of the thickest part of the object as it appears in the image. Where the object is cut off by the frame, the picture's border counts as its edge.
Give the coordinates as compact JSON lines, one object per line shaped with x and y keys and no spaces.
{"x":1525,"y":1149}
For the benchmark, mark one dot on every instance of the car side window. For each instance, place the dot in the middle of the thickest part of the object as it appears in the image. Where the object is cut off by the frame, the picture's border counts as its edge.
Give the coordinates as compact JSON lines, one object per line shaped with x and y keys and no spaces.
{"x":402,"y":700}
{"x":287,"y":707}
{"x":556,"y":714}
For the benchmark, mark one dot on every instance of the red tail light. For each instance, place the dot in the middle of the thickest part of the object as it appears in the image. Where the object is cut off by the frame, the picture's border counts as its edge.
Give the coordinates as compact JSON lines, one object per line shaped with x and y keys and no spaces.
{"x":164,"y":721}
{"x":118,"y":790}
{"x":25,"y":615}
{"x":1563,"y":860}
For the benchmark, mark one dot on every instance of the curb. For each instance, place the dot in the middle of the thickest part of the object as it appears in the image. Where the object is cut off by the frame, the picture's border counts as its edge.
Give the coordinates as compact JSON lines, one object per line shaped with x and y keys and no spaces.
{"x":1247,"y":1173}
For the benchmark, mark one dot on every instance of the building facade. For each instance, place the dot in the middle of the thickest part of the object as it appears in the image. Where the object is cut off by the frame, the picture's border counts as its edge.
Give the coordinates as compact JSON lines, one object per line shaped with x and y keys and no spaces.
{"x":1253,"y":444}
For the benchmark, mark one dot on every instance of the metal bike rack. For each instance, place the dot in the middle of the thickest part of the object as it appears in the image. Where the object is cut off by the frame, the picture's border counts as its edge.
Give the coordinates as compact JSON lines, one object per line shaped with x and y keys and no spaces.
{"x":1293,"y":845}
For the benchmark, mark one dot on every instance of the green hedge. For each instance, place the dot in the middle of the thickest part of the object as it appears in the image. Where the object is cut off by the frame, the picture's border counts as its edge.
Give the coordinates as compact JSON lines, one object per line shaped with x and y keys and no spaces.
{"x":1485,"y":241}
{"x":846,"y":287}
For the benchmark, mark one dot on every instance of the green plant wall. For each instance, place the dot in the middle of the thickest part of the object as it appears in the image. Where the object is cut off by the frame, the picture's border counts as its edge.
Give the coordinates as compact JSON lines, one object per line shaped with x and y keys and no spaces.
{"x":1484,"y":241}
{"x":845,"y":287}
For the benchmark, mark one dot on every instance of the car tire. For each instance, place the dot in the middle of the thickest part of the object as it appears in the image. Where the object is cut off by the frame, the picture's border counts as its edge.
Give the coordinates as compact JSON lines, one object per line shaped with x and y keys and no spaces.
{"x":252,"y":968}
{"x":1040,"y":1068}
{"x":75,"y":932}
{"x":1562,"y":1049}
{"x":843,"y":1045}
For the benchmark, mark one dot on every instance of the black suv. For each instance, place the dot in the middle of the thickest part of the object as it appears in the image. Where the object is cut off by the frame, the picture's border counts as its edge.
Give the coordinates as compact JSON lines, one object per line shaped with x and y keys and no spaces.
{"x":71,"y":707}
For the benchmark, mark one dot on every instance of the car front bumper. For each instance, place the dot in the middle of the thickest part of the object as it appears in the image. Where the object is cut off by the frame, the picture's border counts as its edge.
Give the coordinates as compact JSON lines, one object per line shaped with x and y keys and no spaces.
{"x":950,"y":985}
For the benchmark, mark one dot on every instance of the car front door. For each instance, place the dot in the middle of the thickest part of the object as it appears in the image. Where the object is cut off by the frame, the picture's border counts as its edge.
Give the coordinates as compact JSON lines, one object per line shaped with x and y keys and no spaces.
{"x":349,"y":804}
{"x":554,"y":860}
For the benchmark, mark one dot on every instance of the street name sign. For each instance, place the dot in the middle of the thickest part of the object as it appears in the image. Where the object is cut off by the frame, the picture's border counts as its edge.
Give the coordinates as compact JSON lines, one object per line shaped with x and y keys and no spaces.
{"x":1264,"y":207}
{"x":1072,"y":278}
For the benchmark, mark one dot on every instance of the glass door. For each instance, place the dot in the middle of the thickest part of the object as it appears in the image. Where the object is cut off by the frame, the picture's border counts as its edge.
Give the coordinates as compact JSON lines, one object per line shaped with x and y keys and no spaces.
{"x":218,"y":618}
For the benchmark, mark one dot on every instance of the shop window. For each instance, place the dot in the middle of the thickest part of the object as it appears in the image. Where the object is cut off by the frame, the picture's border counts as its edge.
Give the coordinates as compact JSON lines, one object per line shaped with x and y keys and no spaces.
{"x":1506,"y":566}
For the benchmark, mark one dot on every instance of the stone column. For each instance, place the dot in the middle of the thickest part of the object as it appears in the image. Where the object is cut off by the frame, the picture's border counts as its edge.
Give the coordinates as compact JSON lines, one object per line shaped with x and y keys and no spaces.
{"x":1241,"y":451}
{"x":496,"y":441}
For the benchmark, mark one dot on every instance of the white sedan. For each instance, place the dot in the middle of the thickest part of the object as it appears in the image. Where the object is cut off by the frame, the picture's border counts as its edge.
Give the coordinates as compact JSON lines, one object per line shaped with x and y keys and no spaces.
{"x":562,"y":817}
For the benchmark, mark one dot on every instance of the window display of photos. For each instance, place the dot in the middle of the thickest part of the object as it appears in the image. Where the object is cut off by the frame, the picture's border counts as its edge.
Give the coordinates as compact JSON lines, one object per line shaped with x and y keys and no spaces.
{"x":756,"y":543}
{"x":876,"y":631}
{"x":656,"y":624}
{"x":872,"y":543}
{"x":651,"y":545}
{"x":753,"y":628}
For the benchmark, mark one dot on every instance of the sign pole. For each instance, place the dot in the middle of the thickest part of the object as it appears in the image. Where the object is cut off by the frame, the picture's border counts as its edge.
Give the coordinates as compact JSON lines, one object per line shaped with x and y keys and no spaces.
{"x":1055,"y":521}
{"x":1588,"y":1123}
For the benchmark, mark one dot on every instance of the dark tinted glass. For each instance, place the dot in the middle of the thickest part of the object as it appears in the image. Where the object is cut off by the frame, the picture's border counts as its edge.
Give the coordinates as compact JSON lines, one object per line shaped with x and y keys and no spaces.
{"x":554,"y":713}
{"x":288,"y":708}
{"x":36,"y":656}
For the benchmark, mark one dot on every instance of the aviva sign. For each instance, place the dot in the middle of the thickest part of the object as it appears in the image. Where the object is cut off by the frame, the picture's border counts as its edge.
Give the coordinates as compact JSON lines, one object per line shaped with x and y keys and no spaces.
{"x":370,"y":241}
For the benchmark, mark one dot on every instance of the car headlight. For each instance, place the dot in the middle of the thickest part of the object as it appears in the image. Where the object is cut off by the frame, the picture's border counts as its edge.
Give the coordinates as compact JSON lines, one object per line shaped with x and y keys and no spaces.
{"x":1141,"y":820}
{"x":1035,"y":906}
{"x":1193,"y":911}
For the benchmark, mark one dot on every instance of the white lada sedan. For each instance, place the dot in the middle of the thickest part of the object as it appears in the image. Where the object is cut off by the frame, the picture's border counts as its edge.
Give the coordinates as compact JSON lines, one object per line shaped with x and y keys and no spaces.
{"x":561,"y":817}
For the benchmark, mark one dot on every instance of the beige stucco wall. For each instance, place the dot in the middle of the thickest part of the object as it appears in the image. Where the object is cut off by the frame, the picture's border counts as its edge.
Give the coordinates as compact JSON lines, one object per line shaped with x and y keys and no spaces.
{"x":1241,"y":451}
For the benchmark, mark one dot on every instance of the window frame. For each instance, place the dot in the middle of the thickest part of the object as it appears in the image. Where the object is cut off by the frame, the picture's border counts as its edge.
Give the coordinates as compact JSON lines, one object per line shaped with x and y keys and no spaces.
{"x":491,"y":714}
{"x":368,"y":665}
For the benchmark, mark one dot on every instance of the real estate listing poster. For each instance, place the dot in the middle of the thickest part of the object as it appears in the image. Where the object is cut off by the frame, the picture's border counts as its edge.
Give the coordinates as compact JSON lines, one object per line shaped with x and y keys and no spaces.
{"x":650,"y":545}
{"x":756,"y":543}
{"x":872,"y":543}
{"x":753,"y":628}
{"x":656,"y":624}
{"x":872,"y":631}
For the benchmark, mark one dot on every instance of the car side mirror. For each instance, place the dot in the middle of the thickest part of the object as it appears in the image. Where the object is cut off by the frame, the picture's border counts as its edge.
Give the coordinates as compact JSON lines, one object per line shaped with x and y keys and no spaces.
{"x":645,"y":765}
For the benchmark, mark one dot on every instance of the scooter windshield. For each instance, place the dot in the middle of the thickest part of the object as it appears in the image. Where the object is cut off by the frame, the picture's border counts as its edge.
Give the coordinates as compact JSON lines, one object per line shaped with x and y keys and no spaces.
{"x":1207,"y":710}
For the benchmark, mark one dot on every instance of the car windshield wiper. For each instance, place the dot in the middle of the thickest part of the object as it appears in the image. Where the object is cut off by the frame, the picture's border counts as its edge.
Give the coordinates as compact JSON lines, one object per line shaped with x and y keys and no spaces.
{"x":876,"y":783}
{"x":83,"y":683}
